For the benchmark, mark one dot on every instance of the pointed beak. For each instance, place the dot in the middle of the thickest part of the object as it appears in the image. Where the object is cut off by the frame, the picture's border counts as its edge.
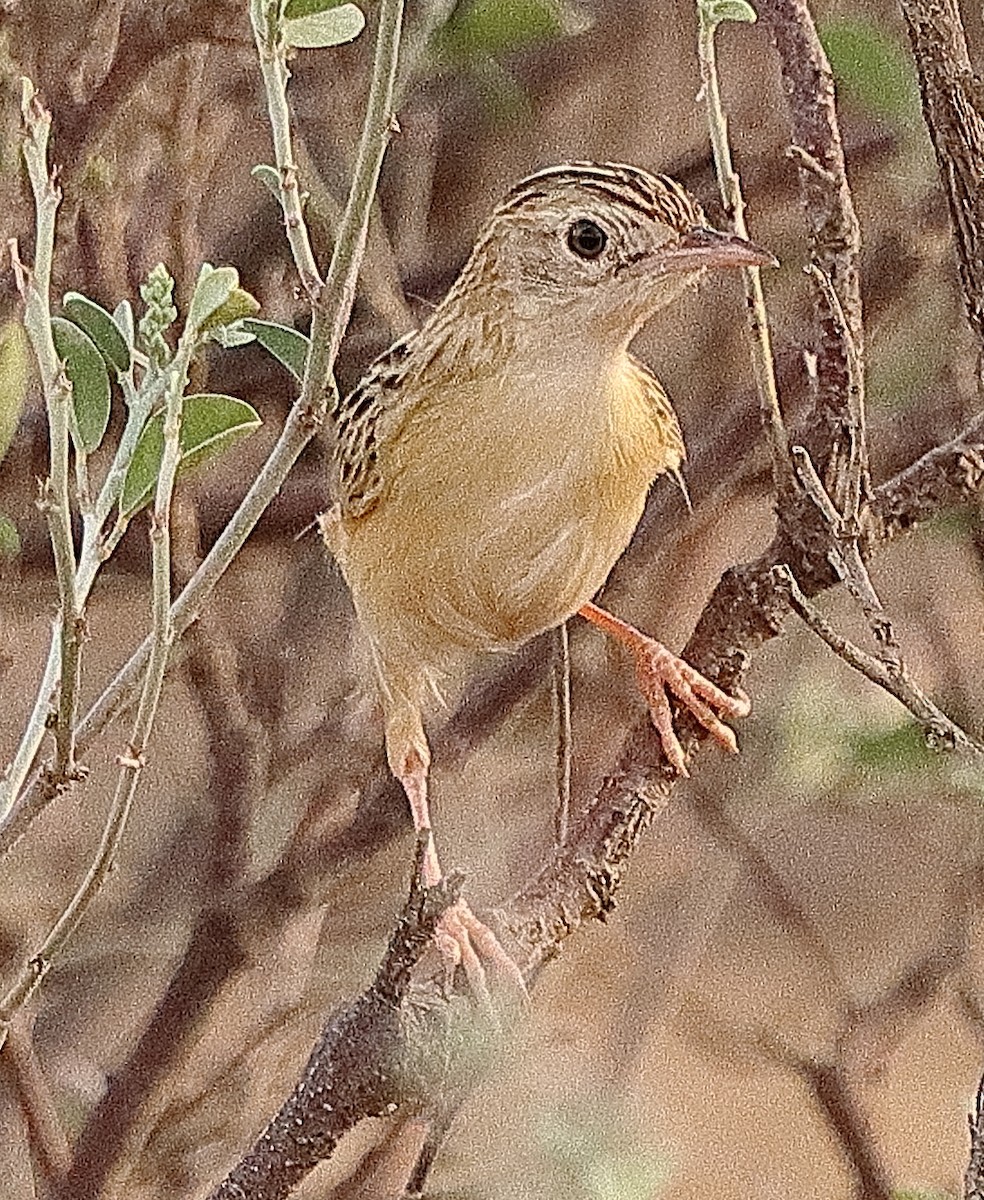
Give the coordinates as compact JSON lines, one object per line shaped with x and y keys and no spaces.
{"x":701,"y":247}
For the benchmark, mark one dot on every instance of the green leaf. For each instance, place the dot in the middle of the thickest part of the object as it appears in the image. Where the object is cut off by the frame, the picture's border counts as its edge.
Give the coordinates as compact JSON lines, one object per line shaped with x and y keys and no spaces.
{"x":329,"y":27}
{"x":269,"y":177}
{"x":288,"y":346}
{"x":15,"y":360}
{"x":210,"y":423}
{"x":10,"y":539}
{"x":214,"y":288}
{"x":101,"y":328}
{"x":872,"y":68}
{"x":238,"y":305}
{"x":86,"y":369}
{"x":716,"y":11}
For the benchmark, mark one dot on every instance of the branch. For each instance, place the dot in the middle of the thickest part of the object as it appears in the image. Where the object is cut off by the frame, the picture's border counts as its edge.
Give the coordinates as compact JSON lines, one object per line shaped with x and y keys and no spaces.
{"x":834,"y":235}
{"x":35,"y":287}
{"x":272,"y":51}
{"x":941,"y":732}
{"x":369,"y":1060}
{"x":132,"y":762}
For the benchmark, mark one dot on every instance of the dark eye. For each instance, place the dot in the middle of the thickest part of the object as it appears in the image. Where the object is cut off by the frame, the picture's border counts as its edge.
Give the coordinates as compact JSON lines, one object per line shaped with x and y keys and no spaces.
{"x":586,"y":239}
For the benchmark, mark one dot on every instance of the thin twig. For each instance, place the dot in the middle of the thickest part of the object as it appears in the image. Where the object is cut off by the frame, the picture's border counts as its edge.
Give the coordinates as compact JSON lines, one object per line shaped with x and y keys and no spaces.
{"x":760,"y":341}
{"x":48,"y":1142}
{"x":941,"y":732}
{"x":845,"y":556}
{"x":857,"y":481}
{"x":974,"y":1175}
{"x":832,"y":226}
{"x":951,"y":102}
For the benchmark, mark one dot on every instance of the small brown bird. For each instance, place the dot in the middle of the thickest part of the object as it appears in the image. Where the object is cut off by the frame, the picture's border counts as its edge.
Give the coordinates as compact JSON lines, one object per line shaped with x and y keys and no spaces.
{"x":494,"y":463}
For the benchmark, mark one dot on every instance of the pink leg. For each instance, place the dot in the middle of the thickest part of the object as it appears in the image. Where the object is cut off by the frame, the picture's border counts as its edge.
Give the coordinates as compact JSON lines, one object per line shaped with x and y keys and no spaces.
{"x":413,"y":776}
{"x":462,"y":939}
{"x":658,"y":672}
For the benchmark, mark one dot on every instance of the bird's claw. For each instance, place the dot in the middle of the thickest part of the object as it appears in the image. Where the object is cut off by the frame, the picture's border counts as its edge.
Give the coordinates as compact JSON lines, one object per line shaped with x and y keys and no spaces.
{"x":660,"y":672}
{"x":491,"y":973}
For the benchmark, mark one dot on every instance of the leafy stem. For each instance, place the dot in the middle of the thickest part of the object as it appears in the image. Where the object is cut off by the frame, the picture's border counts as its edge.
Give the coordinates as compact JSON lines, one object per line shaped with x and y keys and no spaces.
{"x":267,"y":20}
{"x":331,"y":315}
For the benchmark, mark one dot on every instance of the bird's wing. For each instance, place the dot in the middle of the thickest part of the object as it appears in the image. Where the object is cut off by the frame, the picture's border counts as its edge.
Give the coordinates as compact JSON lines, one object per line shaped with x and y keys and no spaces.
{"x":370,"y":414}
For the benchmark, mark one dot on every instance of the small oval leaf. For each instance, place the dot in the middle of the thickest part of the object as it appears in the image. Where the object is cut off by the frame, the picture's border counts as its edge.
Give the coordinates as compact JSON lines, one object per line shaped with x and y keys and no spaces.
{"x":230,"y":336}
{"x":288,"y":346}
{"x":87,"y":372}
{"x":15,"y":359}
{"x":238,"y":305}
{"x":329,"y":27}
{"x":101,"y":328}
{"x":214,"y":287}
{"x":268,"y":176}
{"x":210,"y":422}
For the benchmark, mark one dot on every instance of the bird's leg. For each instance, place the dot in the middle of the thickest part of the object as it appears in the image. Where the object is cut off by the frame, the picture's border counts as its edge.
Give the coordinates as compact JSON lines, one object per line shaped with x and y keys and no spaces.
{"x":413,"y":776}
{"x":660,"y":671}
{"x":462,"y":939}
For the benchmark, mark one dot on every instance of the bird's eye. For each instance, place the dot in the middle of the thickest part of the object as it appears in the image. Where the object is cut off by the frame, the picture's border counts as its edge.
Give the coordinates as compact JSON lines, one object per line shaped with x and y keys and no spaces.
{"x":586,"y":239}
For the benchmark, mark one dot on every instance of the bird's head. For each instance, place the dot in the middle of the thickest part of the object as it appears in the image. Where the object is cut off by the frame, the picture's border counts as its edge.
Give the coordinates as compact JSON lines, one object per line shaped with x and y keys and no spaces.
{"x":601,"y":247}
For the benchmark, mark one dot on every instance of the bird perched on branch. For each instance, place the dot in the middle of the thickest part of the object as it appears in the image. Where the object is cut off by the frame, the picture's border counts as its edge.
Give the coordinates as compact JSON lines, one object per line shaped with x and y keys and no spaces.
{"x":493,"y":464}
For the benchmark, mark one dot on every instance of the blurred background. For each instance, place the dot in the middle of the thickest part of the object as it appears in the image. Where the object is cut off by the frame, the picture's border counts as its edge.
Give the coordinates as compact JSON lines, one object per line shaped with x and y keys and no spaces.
{"x":788,"y":1000}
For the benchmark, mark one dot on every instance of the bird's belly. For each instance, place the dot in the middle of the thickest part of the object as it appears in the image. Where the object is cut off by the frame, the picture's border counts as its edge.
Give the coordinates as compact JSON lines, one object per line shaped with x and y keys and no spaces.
{"x":531,"y":571}
{"x":485,"y":567}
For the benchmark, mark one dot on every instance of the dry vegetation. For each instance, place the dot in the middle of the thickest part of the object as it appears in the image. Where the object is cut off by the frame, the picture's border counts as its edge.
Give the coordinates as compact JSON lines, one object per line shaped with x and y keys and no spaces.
{"x":788,"y":999}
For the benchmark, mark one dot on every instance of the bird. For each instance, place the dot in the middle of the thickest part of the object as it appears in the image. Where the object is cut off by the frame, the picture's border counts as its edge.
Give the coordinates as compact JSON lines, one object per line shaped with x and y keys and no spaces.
{"x":492,"y":465}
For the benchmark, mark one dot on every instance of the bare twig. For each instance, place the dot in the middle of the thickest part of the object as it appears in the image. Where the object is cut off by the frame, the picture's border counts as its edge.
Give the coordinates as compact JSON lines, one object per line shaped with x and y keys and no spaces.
{"x":132,"y":761}
{"x":272,"y":51}
{"x":759,"y":337}
{"x":890,"y":675}
{"x":562,"y":723}
{"x":974,"y":1175}
{"x":47,"y":1138}
{"x":845,"y":555}
{"x":336,"y":1090}
{"x":857,"y":480}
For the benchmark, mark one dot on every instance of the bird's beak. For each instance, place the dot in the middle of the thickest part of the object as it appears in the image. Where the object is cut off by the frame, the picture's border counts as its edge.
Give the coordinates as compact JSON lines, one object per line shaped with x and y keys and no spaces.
{"x":701,"y":247}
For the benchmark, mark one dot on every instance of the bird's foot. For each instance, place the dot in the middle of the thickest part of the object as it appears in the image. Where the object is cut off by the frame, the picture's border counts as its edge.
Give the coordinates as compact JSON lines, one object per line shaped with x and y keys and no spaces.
{"x":661,"y":673}
{"x":492,"y":975}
